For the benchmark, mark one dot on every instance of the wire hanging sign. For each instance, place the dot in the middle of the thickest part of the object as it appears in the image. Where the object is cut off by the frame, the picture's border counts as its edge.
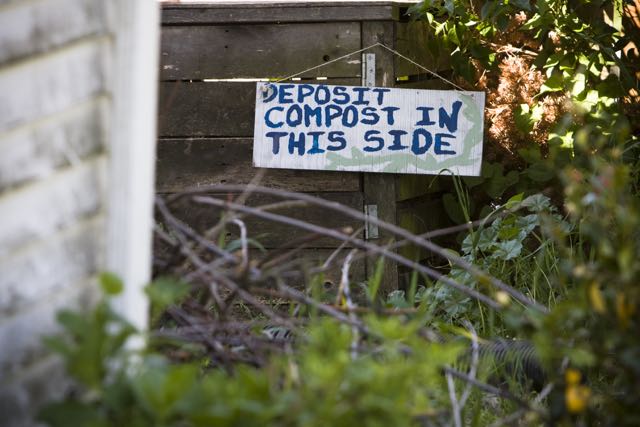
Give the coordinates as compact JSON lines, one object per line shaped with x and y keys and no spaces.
{"x":368,"y":129}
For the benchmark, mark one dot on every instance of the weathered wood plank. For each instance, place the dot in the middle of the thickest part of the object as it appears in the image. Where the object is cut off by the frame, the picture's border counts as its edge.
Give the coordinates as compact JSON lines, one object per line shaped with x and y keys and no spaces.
{"x":53,"y":83}
{"x":258,"y":51}
{"x":380,"y":189}
{"x":38,"y":211}
{"x":36,"y":27}
{"x":60,"y":260}
{"x":413,"y":40}
{"x":211,"y":109}
{"x":184,"y":163}
{"x":35,"y":152}
{"x":268,"y":233}
{"x":206,"y":109}
{"x":212,"y":13}
{"x":410,"y":186}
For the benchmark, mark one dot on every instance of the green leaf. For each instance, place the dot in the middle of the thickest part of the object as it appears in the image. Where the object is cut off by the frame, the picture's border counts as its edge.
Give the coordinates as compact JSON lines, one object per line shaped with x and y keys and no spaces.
{"x":541,"y":171}
{"x":453,"y":35}
{"x":522,"y":4}
{"x":237,"y":244}
{"x":375,"y":281}
{"x":499,"y":183}
{"x":554,"y":60}
{"x":514,"y":200}
{"x":581,"y":357}
{"x":72,"y":413}
{"x":166,"y":291}
{"x":523,"y":120}
{"x":508,"y":250}
{"x":111,"y":284}
{"x":537,"y":203}
{"x":449,"y":6}
{"x":161,"y":387}
{"x":579,"y":84}
{"x":552,"y":84}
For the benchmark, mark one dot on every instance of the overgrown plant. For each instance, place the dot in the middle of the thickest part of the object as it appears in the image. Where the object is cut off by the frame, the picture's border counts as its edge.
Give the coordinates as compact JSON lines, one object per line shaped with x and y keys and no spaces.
{"x":510,"y":244}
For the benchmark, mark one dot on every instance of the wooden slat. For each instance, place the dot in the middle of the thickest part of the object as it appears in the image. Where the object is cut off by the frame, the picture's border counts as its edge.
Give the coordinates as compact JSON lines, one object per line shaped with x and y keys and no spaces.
{"x":278,"y":12}
{"x":184,"y":163}
{"x":380,"y":189}
{"x":413,"y":40}
{"x":53,"y":264}
{"x":35,"y":27}
{"x":206,"y":109}
{"x":410,"y":186}
{"x":276,"y":50}
{"x":52,"y":83}
{"x":36,"y":152}
{"x":211,"y":109}
{"x":36,"y":212}
{"x":269,"y":233}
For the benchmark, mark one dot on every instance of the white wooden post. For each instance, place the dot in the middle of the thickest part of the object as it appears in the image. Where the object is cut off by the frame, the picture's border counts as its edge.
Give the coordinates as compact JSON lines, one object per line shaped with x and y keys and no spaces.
{"x":132,"y":152}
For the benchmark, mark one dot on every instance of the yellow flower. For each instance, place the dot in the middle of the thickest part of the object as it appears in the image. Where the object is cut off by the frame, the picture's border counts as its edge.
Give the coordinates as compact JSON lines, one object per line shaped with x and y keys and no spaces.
{"x":572,"y":376}
{"x":597,"y":300}
{"x":577,"y":398}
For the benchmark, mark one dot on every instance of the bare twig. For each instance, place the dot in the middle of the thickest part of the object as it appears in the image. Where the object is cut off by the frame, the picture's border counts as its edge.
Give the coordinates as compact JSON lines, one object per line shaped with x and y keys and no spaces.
{"x":481,"y":276}
{"x":346,"y":290}
{"x":455,"y":405}
{"x":357,"y":242}
{"x":473,"y":369}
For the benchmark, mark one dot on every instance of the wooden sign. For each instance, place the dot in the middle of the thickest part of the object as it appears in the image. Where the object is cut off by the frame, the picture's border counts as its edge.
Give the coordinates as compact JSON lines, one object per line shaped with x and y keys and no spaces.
{"x":368,"y":129}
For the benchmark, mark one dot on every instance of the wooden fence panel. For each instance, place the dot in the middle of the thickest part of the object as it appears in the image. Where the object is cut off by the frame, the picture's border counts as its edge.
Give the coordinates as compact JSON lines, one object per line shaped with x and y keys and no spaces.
{"x":413,"y":40}
{"x":212,"y":109}
{"x":278,"y":12}
{"x":268,"y":233}
{"x":184,"y":163}
{"x":240,"y":51}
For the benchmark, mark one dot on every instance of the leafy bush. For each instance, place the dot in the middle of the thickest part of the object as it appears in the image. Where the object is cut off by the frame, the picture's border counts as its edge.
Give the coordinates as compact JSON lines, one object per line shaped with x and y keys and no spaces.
{"x":395,"y":380}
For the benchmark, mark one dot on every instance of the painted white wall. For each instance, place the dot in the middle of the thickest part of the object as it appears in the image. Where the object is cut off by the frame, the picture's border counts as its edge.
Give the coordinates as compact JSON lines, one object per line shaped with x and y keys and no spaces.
{"x":77,"y":136}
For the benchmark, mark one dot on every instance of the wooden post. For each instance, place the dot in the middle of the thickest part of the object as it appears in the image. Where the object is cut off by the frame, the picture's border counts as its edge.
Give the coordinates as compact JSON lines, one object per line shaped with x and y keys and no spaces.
{"x":380,"y":188}
{"x":132,"y":154}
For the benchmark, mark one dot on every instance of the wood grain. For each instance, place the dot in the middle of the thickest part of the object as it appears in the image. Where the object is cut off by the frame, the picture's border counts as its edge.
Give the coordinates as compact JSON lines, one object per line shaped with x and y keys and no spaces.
{"x":268,"y":233}
{"x":36,"y":27}
{"x":380,"y":189}
{"x":193,"y":162}
{"x":197,"y":52}
{"x":51,"y":84}
{"x":38,"y":211}
{"x":211,"y":109}
{"x":413,"y":40}
{"x":279,"y":12}
{"x":63,"y":259}
{"x":37,"y":151}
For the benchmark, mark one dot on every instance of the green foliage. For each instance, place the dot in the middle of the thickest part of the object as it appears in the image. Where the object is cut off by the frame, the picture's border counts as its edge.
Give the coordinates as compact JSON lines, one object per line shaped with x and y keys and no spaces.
{"x":394,"y":381}
{"x":577,"y":253}
{"x":163,"y":292}
{"x":512,"y":247}
{"x":595,"y":327}
{"x":92,"y":339}
{"x":578,"y":52}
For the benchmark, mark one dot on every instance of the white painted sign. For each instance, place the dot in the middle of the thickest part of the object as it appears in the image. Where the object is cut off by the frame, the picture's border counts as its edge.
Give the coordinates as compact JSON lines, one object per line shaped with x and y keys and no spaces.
{"x":368,"y":129}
